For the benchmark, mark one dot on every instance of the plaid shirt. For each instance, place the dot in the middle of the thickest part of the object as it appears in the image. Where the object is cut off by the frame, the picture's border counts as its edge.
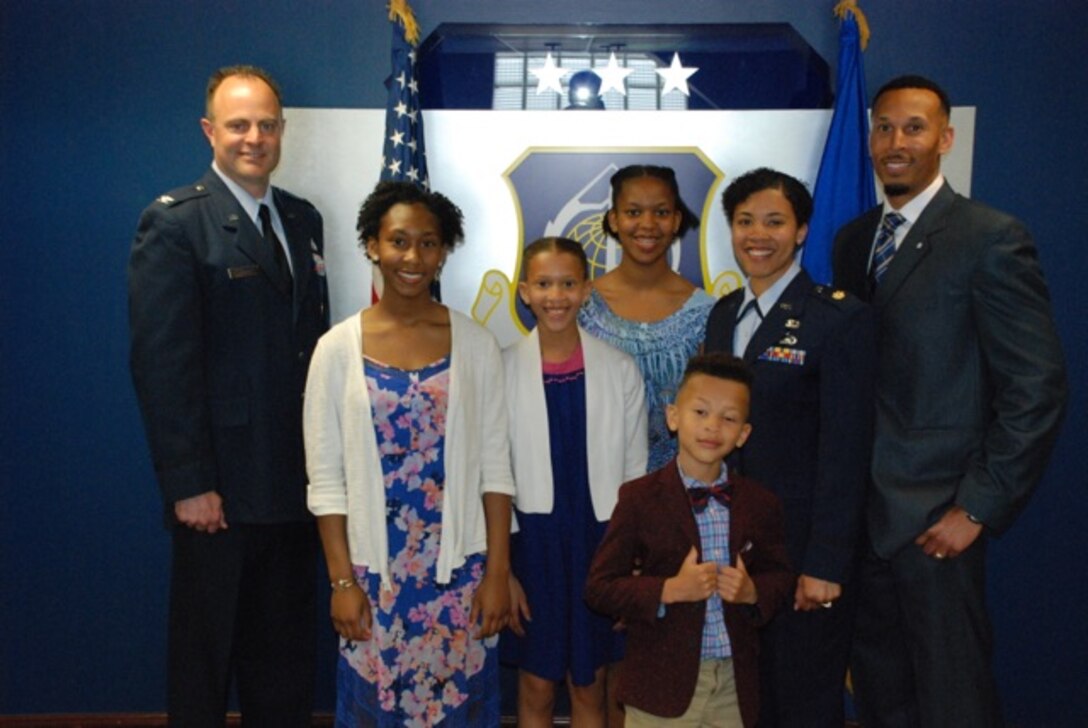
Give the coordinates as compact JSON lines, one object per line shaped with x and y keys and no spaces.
{"x":713,"y":525}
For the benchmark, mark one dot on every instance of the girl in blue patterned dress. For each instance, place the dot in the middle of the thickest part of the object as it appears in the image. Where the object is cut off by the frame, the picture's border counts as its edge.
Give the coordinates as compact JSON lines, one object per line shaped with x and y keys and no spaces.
{"x":643,"y":306}
{"x":577,"y":432}
{"x":408,"y":461}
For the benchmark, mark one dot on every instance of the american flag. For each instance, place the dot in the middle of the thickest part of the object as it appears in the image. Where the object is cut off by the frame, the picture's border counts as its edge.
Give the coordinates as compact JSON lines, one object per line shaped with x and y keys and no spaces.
{"x":403,"y":156}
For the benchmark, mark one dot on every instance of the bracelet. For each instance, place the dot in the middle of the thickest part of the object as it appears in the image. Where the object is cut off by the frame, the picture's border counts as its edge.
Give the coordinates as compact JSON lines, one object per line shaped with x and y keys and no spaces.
{"x":339,"y":585}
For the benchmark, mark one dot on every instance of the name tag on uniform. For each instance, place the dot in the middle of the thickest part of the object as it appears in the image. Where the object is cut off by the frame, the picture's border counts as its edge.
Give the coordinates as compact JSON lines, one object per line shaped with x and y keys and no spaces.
{"x":243,"y":271}
{"x":784,"y":355}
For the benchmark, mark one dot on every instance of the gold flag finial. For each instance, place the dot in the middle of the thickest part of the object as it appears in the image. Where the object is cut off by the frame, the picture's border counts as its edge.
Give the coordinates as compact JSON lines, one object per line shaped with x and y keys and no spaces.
{"x":851,"y":6}
{"x":400,"y":10}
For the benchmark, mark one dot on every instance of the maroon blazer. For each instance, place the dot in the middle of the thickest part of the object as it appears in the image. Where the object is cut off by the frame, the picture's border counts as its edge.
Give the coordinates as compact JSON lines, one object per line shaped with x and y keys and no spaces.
{"x":653,"y":525}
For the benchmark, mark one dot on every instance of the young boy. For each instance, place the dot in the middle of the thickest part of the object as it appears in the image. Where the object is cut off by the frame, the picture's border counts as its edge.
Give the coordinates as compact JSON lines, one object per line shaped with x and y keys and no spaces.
{"x":712,"y":564}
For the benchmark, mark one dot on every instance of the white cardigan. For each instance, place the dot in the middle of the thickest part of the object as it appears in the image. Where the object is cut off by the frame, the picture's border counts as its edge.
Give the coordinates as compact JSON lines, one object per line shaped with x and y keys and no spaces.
{"x":615,"y":423}
{"x":342,"y":460}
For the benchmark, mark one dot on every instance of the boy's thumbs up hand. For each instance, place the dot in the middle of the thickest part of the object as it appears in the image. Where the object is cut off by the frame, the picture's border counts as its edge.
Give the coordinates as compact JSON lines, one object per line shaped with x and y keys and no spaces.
{"x":694,"y":582}
{"x":735,"y":586}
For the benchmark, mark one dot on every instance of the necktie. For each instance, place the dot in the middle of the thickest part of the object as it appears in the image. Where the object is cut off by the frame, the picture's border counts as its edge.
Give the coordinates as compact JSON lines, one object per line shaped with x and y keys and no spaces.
{"x":885,"y":245}
{"x":270,"y":237}
{"x":700,"y":497}
{"x":752,"y":305}
{"x":746,"y":326}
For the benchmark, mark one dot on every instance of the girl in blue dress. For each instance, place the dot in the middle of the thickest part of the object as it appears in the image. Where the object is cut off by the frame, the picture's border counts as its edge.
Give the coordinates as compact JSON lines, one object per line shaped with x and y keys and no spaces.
{"x":408,"y":461}
{"x":643,"y":306}
{"x":577,"y":432}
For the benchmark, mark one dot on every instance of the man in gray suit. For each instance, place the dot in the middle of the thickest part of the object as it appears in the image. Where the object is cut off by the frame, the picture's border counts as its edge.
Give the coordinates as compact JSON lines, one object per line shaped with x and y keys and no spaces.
{"x":971,"y":390}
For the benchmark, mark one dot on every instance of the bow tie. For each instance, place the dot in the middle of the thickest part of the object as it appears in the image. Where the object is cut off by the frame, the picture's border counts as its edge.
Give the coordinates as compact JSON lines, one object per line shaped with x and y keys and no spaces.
{"x":700,"y":497}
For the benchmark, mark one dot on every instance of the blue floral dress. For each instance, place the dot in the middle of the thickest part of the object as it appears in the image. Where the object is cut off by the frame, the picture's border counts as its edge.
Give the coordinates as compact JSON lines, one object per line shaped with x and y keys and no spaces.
{"x":661,"y":349}
{"x":422,"y":666}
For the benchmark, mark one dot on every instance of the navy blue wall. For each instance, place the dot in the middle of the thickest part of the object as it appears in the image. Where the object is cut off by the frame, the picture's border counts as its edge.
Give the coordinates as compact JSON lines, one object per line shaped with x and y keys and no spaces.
{"x":98,"y":114}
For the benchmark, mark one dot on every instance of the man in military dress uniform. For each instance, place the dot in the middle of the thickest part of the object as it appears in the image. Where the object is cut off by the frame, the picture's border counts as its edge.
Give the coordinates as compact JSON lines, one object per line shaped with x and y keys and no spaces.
{"x":227,"y":299}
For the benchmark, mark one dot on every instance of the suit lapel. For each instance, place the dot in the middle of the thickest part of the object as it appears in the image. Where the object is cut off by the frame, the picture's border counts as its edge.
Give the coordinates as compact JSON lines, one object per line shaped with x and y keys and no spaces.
{"x":674,"y":504}
{"x":916,"y":246}
{"x":242,"y":232}
{"x":773,"y":330}
{"x":857,"y":253}
{"x":299,"y":243}
{"x":730,"y":307}
{"x":738,"y":522}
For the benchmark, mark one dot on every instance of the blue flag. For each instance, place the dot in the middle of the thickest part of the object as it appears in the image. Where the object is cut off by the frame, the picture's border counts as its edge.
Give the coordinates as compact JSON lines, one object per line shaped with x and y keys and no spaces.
{"x":844,"y":185}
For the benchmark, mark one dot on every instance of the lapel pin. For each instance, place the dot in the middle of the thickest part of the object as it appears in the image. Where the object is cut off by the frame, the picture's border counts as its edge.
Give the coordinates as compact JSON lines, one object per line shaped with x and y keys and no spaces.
{"x":788,"y":340}
{"x":793,"y":324}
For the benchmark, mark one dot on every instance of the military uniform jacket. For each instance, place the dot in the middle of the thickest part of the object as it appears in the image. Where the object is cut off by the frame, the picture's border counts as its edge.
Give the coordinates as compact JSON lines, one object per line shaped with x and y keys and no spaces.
{"x":220,"y":347}
{"x":813,"y":359}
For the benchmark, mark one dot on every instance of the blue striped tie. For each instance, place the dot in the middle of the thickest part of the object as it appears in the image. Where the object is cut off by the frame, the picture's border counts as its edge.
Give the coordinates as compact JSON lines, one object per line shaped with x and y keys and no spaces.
{"x":885,"y":245}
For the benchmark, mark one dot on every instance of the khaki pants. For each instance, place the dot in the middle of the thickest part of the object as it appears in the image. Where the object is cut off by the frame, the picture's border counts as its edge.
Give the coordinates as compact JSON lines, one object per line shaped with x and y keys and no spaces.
{"x":714,"y":704}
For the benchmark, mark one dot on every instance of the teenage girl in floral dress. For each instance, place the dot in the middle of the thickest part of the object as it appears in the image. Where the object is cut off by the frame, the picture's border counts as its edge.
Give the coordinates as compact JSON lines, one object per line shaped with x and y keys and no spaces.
{"x":408,"y":461}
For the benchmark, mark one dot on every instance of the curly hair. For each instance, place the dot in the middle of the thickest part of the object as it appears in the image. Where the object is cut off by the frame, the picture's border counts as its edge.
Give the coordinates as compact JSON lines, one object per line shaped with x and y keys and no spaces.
{"x":386,"y":194}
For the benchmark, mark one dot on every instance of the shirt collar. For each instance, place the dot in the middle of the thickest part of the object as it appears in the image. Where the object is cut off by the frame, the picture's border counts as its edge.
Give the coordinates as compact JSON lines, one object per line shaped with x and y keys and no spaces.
{"x":913,"y":209}
{"x":770,"y":297}
{"x":249,"y":203}
{"x":689,"y":482}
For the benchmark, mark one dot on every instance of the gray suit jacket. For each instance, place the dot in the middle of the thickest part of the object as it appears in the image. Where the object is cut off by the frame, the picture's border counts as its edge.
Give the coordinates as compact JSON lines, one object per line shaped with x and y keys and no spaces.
{"x":971,"y":384}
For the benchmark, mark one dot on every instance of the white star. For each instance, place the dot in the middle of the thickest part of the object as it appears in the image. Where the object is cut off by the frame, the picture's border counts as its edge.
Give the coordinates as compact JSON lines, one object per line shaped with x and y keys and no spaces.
{"x":401,"y":109}
{"x":613,"y":76}
{"x":412,"y":144}
{"x":676,"y":76}
{"x":412,"y":174}
{"x":412,"y":115}
{"x":397,"y":139}
{"x":401,"y":79}
{"x":394,"y":166}
{"x":549,"y":76}
{"x":413,"y":86}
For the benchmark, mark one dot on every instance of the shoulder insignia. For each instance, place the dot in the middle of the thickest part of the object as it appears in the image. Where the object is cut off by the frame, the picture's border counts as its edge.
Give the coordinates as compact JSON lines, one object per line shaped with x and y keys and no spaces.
{"x":181,"y":194}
